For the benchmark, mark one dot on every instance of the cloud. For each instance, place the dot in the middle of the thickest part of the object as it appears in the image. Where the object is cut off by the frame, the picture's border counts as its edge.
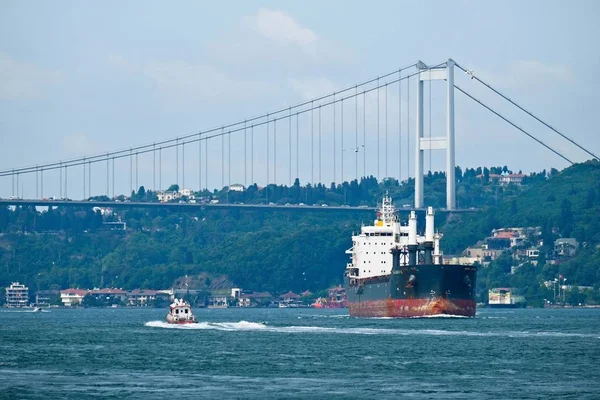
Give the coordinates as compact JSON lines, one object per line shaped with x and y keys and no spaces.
{"x":77,"y":144}
{"x":186,"y":83}
{"x":282,"y":29}
{"x":540,"y":72}
{"x":526,"y":73}
{"x":312,"y":88}
{"x":22,"y":80}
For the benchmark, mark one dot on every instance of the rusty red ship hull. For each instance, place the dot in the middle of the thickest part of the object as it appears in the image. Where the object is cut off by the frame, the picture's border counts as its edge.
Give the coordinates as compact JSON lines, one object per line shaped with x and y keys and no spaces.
{"x":406,"y":308}
{"x":415,"y":291}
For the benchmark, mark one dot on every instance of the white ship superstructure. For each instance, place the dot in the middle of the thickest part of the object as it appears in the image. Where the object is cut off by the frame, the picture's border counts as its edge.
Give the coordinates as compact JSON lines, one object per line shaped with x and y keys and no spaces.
{"x":371,"y":249}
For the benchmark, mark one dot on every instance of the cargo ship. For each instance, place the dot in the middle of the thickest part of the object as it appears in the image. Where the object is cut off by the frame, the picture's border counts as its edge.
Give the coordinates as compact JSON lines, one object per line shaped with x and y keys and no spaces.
{"x":396,"y":273}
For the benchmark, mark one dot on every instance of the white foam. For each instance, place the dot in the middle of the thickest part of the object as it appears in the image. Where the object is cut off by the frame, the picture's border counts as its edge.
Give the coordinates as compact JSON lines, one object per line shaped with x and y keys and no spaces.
{"x":255,"y":326}
{"x":221,"y":326}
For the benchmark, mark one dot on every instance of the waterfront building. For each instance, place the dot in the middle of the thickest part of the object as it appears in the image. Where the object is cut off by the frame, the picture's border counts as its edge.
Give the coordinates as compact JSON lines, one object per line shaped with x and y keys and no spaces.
{"x":17,"y":295}
{"x":72,"y":297}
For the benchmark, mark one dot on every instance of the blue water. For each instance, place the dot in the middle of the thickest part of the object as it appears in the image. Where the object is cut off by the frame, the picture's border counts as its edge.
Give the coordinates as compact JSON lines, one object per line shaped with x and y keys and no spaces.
{"x":299,"y":353}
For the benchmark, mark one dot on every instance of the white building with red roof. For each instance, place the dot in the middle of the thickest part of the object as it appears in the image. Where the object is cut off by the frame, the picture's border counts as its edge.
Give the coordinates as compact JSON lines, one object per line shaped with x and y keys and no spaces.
{"x":72,"y":297}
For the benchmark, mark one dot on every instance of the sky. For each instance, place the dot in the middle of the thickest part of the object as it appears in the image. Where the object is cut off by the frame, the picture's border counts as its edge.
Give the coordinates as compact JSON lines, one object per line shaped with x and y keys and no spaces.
{"x":84,"y":78}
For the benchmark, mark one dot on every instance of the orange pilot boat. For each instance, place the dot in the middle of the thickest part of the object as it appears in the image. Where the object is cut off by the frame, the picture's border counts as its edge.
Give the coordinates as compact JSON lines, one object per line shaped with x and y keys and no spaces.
{"x":180,"y":312}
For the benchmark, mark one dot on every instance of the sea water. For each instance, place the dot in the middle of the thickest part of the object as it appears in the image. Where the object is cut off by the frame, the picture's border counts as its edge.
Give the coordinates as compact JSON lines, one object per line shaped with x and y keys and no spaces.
{"x":299,"y":353}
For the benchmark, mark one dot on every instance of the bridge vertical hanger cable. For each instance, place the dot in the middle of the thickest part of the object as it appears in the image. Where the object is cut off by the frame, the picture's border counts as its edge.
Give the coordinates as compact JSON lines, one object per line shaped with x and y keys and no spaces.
{"x":200,"y":162}
{"x":290,"y":145}
{"x":275,"y":151}
{"x":245,"y":158}
{"x":312,"y":146}
{"x":229,"y":159}
{"x":130,"y":173}
{"x":113,"y":177}
{"x":378,"y":175}
{"x":297,"y":145}
{"x":251,"y":155}
{"x":470,"y":73}
{"x":176,"y":161}
{"x":89,"y":179}
{"x":137,"y":170}
{"x":42,"y":183}
{"x":36,"y":184}
{"x":334,"y":139}
{"x":399,"y":126}
{"x":364,"y":134}
{"x":320,"y":180}
{"x":159,"y":169}
{"x":342,"y":140}
{"x":153,"y":166}
{"x":18,"y":195}
{"x":84,"y":188}
{"x":408,"y":129}
{"x":386,"y":131}
{"x":245,"y":155}
{"x":107,"y":177}
{"x":223,"y":157}
{"x":60,"y":185}
{"x":206,"y":163}
{"x":66,"y":182}
{"x":356,"y":133}
{"x":182,"y":167}
{"x":267,"y":184}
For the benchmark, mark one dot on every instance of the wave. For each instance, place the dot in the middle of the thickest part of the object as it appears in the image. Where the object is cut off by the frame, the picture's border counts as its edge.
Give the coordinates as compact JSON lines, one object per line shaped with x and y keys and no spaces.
{"x":256,"y":326}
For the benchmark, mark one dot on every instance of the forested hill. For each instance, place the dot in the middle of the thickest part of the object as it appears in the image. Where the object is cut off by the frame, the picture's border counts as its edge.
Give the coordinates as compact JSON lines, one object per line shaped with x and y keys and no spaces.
{"x":282,"y":250}
{"x":567,"y":205}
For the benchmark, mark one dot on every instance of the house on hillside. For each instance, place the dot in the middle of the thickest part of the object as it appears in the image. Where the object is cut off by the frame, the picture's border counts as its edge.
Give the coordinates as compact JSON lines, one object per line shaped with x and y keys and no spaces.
{"x":565,"y":247}
{"x":515,"y":179}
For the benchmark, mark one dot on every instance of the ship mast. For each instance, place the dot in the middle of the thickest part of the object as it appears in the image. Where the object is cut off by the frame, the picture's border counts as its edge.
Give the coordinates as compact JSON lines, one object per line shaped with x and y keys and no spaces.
{"x":387,"y":210}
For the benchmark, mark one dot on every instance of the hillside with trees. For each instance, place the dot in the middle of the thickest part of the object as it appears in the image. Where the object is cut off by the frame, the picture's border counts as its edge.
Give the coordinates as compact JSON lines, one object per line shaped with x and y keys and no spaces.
{"x":285,"y":250}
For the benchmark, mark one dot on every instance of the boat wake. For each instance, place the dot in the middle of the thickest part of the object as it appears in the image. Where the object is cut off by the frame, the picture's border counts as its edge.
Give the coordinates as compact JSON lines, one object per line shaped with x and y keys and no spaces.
{"x":442,"y":316}
{"x":243,"y":326}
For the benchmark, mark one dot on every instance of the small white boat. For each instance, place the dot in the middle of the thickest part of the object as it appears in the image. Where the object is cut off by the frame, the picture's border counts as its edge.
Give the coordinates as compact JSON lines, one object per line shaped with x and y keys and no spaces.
{"x":37,"y":309}
{"x":180,"y":312}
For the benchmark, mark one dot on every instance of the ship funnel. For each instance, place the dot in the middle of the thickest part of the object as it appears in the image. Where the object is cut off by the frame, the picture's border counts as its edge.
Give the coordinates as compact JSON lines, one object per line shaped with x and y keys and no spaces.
{"x":412,"y":229}
{"x":412,"y":239}
{"x":428,"y":245}
{"x":429,"y":225}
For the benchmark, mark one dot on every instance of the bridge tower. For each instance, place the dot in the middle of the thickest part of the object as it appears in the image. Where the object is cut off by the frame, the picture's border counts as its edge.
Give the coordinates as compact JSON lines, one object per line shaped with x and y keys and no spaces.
{"x":445,"y":72}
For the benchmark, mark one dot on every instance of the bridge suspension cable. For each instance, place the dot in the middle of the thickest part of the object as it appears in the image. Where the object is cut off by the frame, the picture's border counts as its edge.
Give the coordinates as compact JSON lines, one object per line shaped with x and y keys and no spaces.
{"x":206,"y":135}
{"x":513,"y":124}
{"x":169,"y":142}
{"x":470,"y":73}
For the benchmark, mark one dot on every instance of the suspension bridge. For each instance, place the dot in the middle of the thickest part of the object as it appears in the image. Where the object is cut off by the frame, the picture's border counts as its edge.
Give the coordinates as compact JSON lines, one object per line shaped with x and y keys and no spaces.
{"x":373,"y":128}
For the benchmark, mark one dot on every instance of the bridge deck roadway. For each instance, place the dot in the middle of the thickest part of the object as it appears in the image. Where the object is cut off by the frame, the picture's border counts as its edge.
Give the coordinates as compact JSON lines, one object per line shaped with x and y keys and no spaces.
{"x":192,"y":207}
